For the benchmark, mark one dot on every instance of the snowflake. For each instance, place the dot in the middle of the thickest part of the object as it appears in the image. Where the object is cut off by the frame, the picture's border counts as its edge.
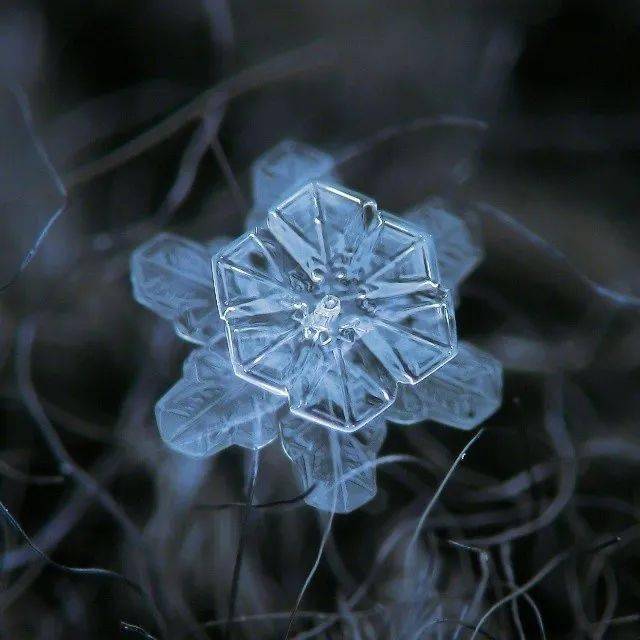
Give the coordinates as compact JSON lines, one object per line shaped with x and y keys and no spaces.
{"x":337,"y":321}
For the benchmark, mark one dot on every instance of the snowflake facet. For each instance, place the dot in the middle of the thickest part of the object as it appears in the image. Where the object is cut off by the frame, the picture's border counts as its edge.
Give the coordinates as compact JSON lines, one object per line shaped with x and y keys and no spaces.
{"x":462,"y":394}
{"x":333,"y":304}
{"x":172,"y":277}
{"x":210,"y":408}
{"x":334,"y":463}
{"x":459,"y":252}
{"x":281,"y":171}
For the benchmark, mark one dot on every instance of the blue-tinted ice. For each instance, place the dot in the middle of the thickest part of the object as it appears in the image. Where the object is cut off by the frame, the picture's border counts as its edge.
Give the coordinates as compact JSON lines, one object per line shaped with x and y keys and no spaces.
{"x":173,"y":277}
{"x":333,"y":304}
{"x":283,"y":170}
{"x":332,"y":461}
{"x":463,"y":393}
{"x":210,"y":408}
{"x":459,"y":252}
{"x":328,"y":303}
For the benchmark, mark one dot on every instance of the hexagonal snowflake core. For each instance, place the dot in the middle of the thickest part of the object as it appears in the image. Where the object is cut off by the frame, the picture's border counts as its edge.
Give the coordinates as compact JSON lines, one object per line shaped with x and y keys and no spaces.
{"x":333,"y":305}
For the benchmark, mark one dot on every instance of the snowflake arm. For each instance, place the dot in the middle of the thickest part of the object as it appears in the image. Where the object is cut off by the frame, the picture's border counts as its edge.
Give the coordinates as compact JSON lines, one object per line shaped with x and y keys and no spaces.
{"x":281,"y":171}
{"x":210,"y":408}
{"x":172,"y":277}
{"x":336,"y":464}
{"x":462,"y":394}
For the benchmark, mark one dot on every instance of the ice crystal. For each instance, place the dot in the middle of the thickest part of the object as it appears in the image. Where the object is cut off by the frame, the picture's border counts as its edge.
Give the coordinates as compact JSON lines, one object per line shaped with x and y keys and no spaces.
{"x":333,"y":304}
{"x":329,"y":304}
{"x":281,"y":171}
{"x":172,"y":276}
{"x":459,"y":252}
{"x":463,"y":393}
{"x":210,"y":408}
{"x":334,"y":463}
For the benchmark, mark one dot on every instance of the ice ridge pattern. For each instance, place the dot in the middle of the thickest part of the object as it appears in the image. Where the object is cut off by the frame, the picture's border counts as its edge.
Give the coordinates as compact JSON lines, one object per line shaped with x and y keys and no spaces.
{"x":333,"y":305}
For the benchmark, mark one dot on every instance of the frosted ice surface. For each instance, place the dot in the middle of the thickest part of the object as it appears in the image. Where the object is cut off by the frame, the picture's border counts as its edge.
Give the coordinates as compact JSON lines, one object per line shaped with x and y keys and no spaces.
{"x":333,"y":304}
{"x":283,"y":170}
{"x":326,"y":458}
{"x":173,"y":277}
{"x":210,"y":408}
{"x":459,"y":252}
{"x":463,"y":393}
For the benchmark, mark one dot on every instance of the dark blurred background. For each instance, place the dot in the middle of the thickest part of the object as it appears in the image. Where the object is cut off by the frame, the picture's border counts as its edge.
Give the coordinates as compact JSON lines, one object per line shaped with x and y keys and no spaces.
{"x":521,"y":112}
